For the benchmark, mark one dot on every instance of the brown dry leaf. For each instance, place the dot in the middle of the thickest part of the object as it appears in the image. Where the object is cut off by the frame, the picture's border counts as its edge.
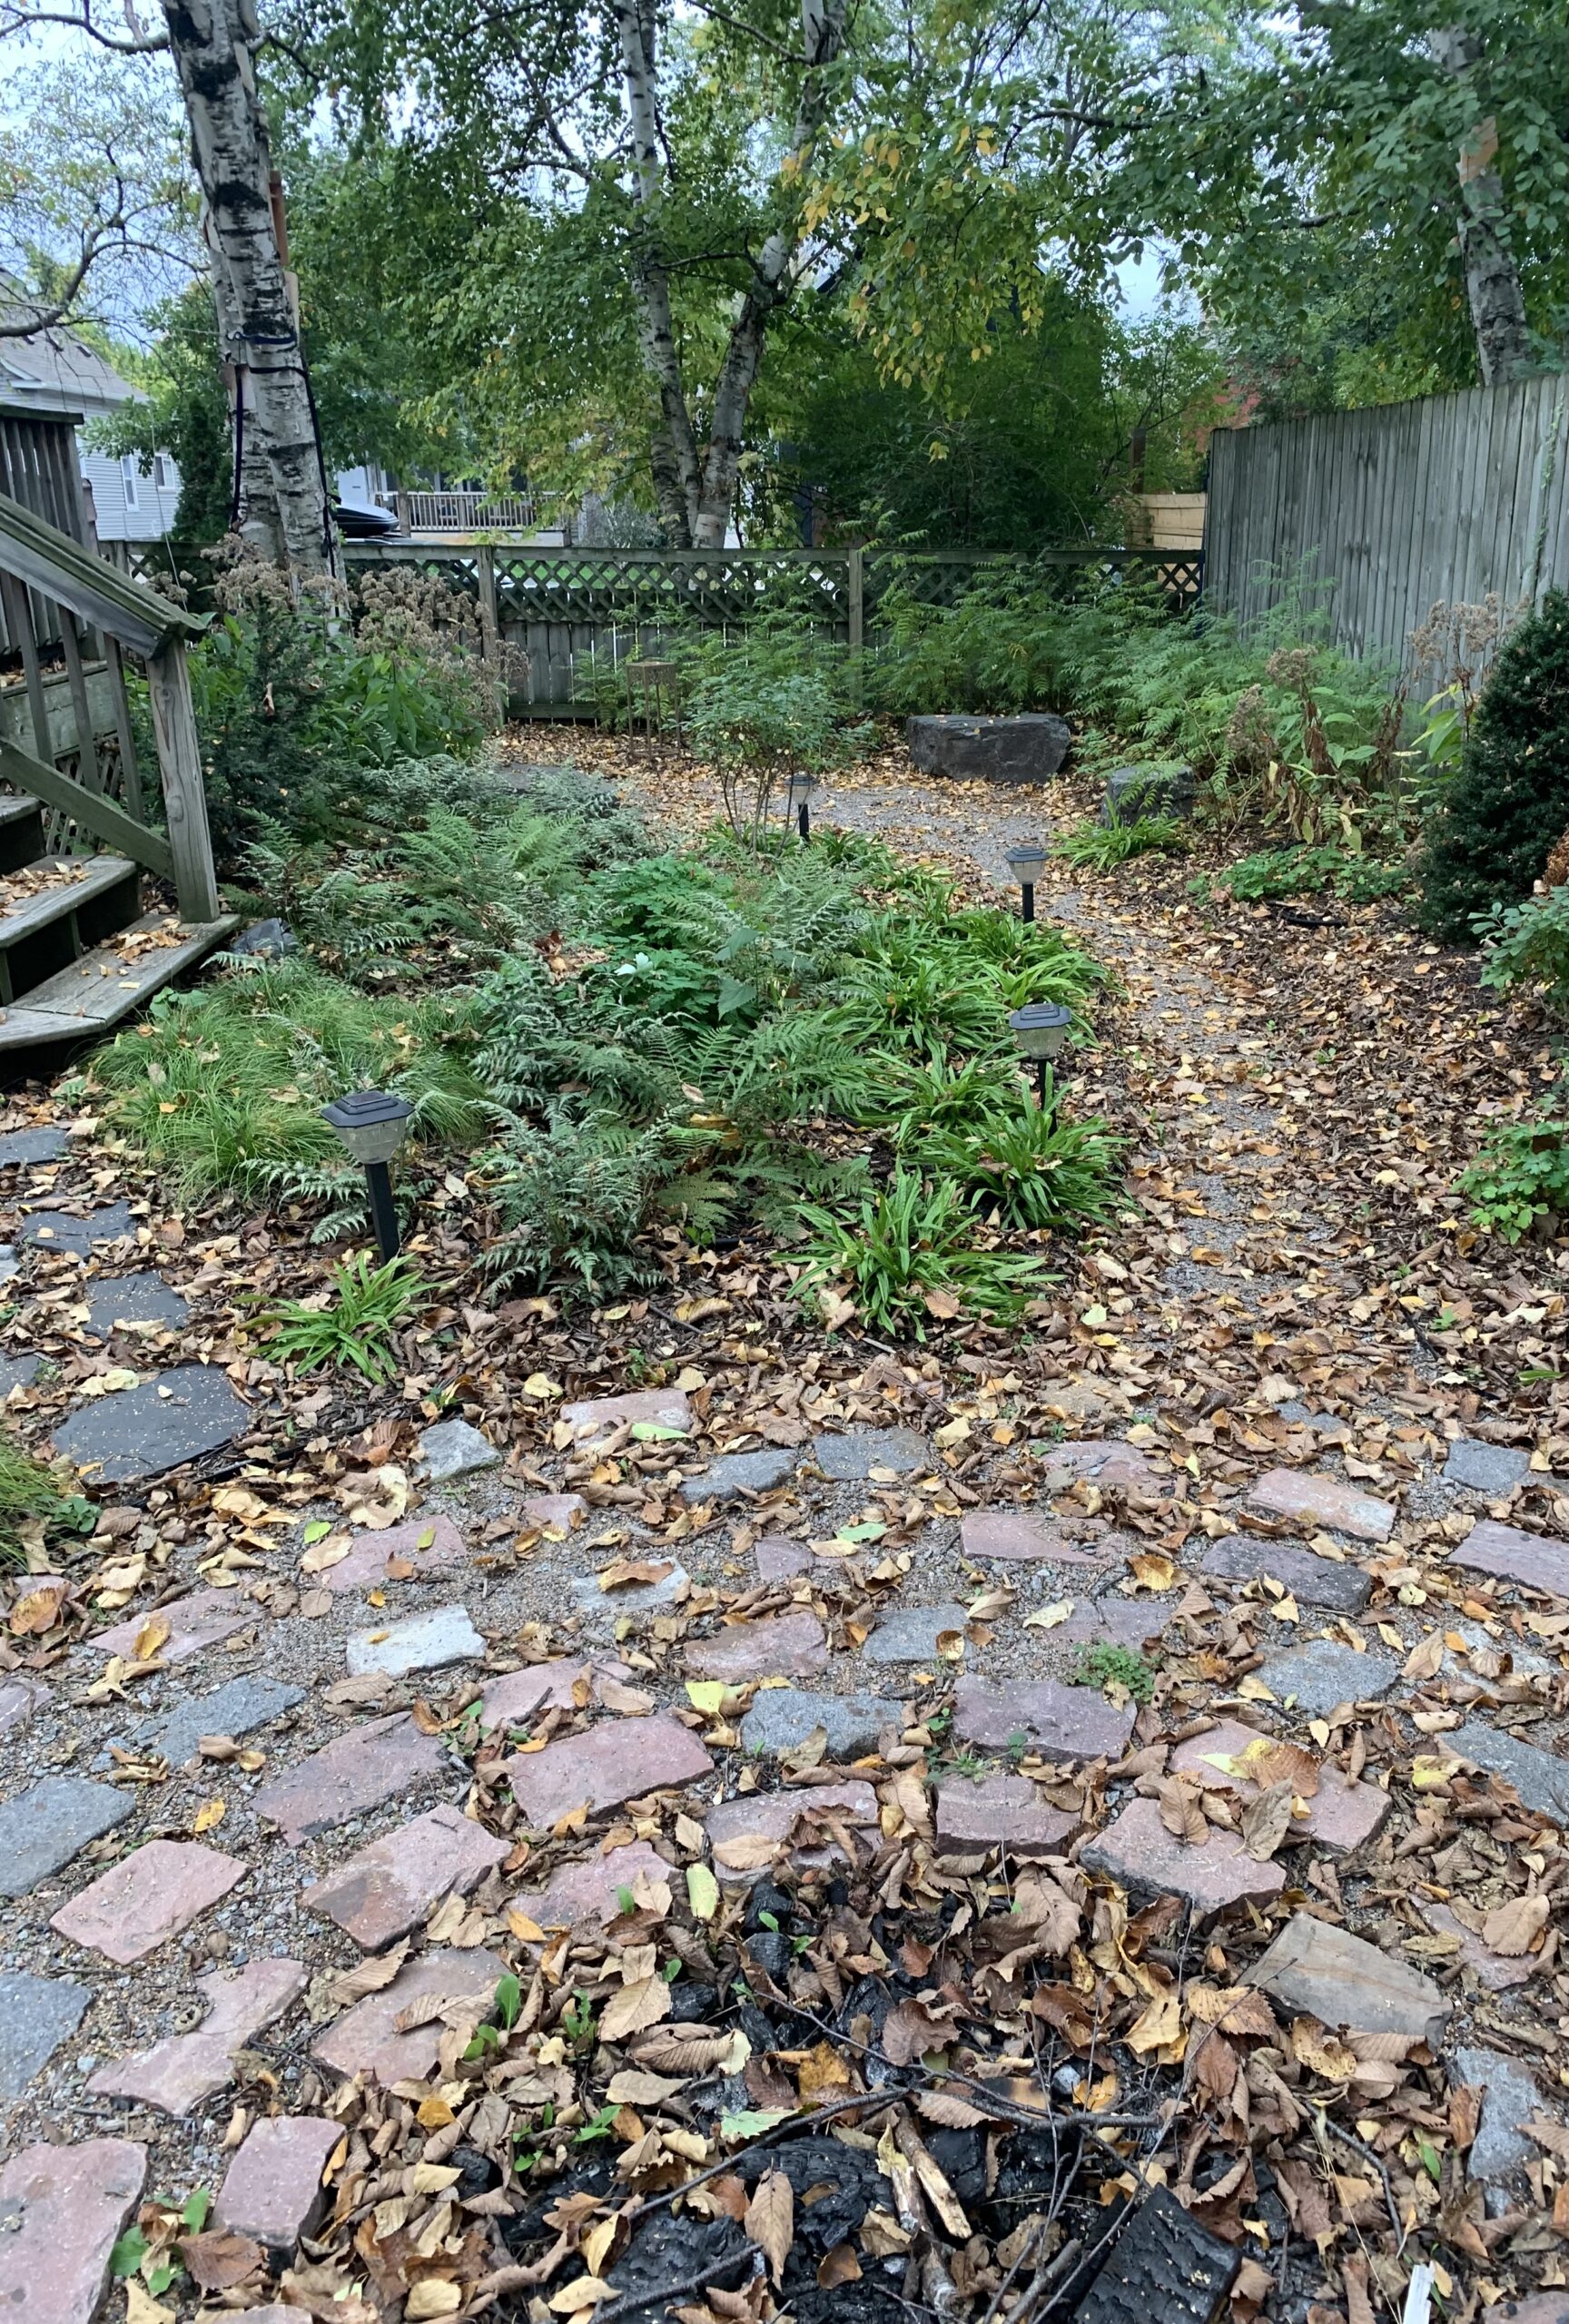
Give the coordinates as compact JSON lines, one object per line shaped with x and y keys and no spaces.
{"x":369,"y":1976}
{"x":682,"y":2050}
{"x":1152,"y":1569}
{"x":950,"y":2113}
{"x":1511,"y":1928}
{"x":1319,"y":2051}
{"x":40,"y":1609}
{"x":909,"y":2030}
{"x":635,"y":2008}
{"x":822,"y":2074}
{"x":1266,"y":1820}
{"x":1241,"y":2010}
{"x":1551,"y":2135}
{"x":748,"y":1852}
{"x":217,"y":2261}
{"x":626,"y":1572}
{"x":1465,"y":2112}
{"x":1183,"y":1812}
{"x":1160,"y":2024}
{"x":841,"y":2266}
{"x":1426,"y":1659}
{"x":584,"y":2292}
{"x":626,"y":1703}
{"x":1266,"y":1762}
{"x":770,"y":2220}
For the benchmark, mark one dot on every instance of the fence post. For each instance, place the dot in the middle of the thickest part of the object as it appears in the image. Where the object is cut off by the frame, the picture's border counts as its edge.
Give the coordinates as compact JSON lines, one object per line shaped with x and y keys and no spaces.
{"x":490,"y":626}
{"x":857,"y":617}
{"x":185,"y":793}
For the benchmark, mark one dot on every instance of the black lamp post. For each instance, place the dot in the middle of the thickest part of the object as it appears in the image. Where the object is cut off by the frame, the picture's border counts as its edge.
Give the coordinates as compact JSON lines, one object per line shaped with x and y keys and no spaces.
{"x":1028,"y":864}
{"x":373,"y":1125}
{"x":799,"y":799}
{"x":1038,"y":1031}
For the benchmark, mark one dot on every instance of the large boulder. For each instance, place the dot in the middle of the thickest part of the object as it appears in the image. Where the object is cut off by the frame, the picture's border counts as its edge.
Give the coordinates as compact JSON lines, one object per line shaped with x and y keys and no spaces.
{"x":1135,"y":791}
{"x":1030,"y":748}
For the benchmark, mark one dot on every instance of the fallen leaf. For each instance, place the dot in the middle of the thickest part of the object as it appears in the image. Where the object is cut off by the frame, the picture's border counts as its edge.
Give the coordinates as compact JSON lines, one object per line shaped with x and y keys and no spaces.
{"x":217,"y":2261}
{"x":1266,"y":1820}
{"x":1183,"y":1812}
{"x":1511,"y":1928}
{"x":770,"y":2220}
{"x":634,"y":2007}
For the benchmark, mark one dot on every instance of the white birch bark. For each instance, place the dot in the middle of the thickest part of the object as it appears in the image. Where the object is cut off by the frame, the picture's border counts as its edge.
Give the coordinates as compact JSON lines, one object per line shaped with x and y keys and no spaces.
{"x":1492,"y":278}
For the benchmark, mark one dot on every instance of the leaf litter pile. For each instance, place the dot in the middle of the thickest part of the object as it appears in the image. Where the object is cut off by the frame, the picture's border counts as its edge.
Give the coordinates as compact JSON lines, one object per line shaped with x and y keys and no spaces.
{"x":1178,"y":1919}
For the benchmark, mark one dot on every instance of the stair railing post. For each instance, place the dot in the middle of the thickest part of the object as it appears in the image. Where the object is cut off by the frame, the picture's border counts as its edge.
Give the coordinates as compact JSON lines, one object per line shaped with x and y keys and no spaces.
{"x":184,"y":793}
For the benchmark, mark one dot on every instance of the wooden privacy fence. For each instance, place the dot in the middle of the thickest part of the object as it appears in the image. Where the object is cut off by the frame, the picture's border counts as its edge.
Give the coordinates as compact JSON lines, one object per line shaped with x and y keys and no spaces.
{"x":1379,"y":514}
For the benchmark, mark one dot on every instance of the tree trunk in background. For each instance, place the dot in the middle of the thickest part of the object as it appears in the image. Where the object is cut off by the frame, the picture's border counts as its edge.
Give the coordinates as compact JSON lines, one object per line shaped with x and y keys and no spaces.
{"x":1492,"y":279}
{"x":212,"y":42}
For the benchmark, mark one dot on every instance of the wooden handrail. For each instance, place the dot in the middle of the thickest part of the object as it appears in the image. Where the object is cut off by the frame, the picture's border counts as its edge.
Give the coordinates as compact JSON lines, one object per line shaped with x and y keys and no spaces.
{"x":95,"y":814}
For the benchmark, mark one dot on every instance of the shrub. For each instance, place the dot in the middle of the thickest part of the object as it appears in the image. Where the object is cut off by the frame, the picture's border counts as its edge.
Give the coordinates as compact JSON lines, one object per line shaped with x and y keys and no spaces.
{"x":1278,"y":873}
{"x":1528,"y":944}
{"x":1509,"y":805}
{"x":1520,"y":1176}
{"x":1098,"y":847}
{"x":761,"y":708}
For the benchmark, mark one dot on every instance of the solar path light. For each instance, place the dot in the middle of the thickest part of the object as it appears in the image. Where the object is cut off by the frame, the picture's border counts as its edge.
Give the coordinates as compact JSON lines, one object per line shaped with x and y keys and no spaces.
{"x":373,"y":1125}
{"x":798,"y":800}
{"x":1038,"y":1031}
{"x":1028,"y":864}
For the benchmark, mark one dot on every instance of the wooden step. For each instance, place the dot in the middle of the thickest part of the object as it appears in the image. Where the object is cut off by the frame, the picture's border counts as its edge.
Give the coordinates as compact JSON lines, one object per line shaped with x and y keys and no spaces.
{"x":113,"y":982}
{"x":41,"y":934}
{"x":21,"y":832}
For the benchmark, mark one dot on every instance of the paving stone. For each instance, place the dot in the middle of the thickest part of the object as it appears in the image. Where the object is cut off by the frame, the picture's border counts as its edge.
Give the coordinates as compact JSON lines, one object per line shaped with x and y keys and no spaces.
{"x":1498,"y":1973}
{"x":273,"y":2189}
{"x":365,"y":2039}
{"x":783,"y":1646}
{"x":601,"y":1610}
{"x":1060,"y":1722}
{"x":58,"y":1230}
{"x":772,"y":1815}
{"x":426,"y":1642}
{"x":61,"y":2210}
{"x":1103,"y":1461}
{"x":20,"y":1700}
{"x":739,"y":1472}
{"x":44,"y":1826}
{"x":1341,"y":1815}
{"x":600,"y":1416}
{"x":9,"y":1263}
{"x":236,"y":1710}
{"x":354,"y":1773}
{"x":145,"y":1297}
{"x":179,"y":2073}
{"x":522,"y":1695}
{"x":1109,"y":1621}
{"x":848,"y":1458}
{"x":1541,"y":1777}
{"x":1002,"y":1812}
{"x":1486,"y":1468}
{"x":1542,"y":2307}
{"x":36,"y":2014}
{"x":1313,"y":1580}
{"x":781,"y":1718}
{"x":909,"y":1633}
{"x":559,"y":1509}
{"x":1509,"y":2098}
{"x":1322,"y":1500}
{"x":454,"y":1448}
{"x":206,"y":1617}
{"x":364,"y":1566}
{"x":778,"y":1559}
{"x":391,"y":1886}
{"x":618,"y":1759}
{"x":18,"y":1372}
{"x":142,"y":1432}
{"x":1507,"y":1554}
{"x":21,"y":1147}
{"x":578,"y":1891}
{"x":1324,"y":1673}
{"x":1011,"y":1537}
{"x":146,"y":1898}
{"x":1325,"y":1972}
{"x":1138,"y":1851}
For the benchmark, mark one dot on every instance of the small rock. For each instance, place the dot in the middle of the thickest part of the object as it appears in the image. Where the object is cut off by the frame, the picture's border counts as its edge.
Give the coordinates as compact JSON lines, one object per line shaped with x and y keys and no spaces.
{"x":1060,"y":1722}
{"x":1498,"y":1973}
{"x":355,"y":1773}
{"x":236,"y":1710}
{"x":146,"y":1898}
{"x":1133,"y":792}
{"x":785,"y":1646}
{"x":1102,"y":1461}
{"x":782,"y":1718}
{"x":143,"y":1432}
{"x":264,"y":939}
{"x":18,"y":1372}
{"x":601,"y":1609}
{"x":421,"y":1642}
{"x":909,"y":1633}
{"x":365,"y":2039}
{"x":455,"y":1449}
{"x":389,"y":1886}
{"x":36,"y":2014}
{"x":654,"y":1408}
{"x":1004,"y":1812}
{"x":22,"y":1147}
{"x":739,"y":1472}
{"x":273,"y":2189}
{"x":142,"y":1298}
{"x":778,"y":1559}
{"x":1018,"y":1537}
{"x":773,"y":1815}
{"x":1341,"y":1815}
{"x":1322,"y":1500}
{"x":44,"y":1827}
{"x":59,"y":1230}
{"x":1313,"y":1580}
{"x":431,"y":1545}
{"x":206,"y":1617}
{"x":179,"y":2073}
{"x":1541,"y":1777}
{"x":850,"y":1458}
{"x":1137,"y":1850}
{"x":624,"y":1759}
{"x":1510,"y":2097}
{"x":64,"y":2207}
{"x":578,"y":1891}
{"x":1326,"y":1972}
{"x":1486,"y":1468}
{"x":1542,"y":2307}
{"x":20,"y":1699}
{"x":1509,"y":1554}
{"x":562,"y":1510}
{"x":1323,"y":1674}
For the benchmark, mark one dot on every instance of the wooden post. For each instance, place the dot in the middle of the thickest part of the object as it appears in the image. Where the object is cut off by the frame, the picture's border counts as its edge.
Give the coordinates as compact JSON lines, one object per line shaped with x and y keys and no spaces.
{"x":491,"y":626}
{"x":130,"y":774}
{"x":87,"y":768}
{"x":858,"y":613}
{"x":18,"y":605}
{"x":185,"y":793}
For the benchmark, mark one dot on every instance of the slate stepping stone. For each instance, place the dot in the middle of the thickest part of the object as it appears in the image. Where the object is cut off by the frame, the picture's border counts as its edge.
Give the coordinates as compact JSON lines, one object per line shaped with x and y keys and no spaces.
{"x":739,"y":1472}
{"x":851,"y":1457}
{"x":1004,"y":1812}
{"x":524,"y":1695}
{"x":1541,"y":1777}
{"x":273,"y":2189}
{"x":1312,"y":1580}
{"x":1322,"y":1500}
{"x":142,"y":1432}
{"x":618,"y":1761}
{"x":1110,"y":1620}
{"x":1542,"y":2307}
{"x":1138,"y":1852}
{"x":9,"y":1263}
{"x":1505,"y":1553}
{"x":206,"y":1617}
{"x":1341,"y":1815}
{"x":1060,"y":1722}
{"x":772,"y":1815}
{"x":782,"y":1718}
{"x":1324,"y":1971}
{"x":181,"y":2071}
{"x":1007,"y":1537}
{"x":365,"y":2039}
{"x":43,"y":1828}
{"x":421,"y":1642}
{"x":1486,"y":1468}
{"x":36,"y":2014}
{"x":18,"y":1372}
{"x":58,"y":1230}
{"x":431,"y":1545}
{"x":598,"y":1417}
{"x":1497,"y":1972}
{"x":391,"y":1886}
{"x":453,"y":1448}
{"x":142,"y":1298}
{"x":779,"y":1559}
{"x":1323,"y":1674}
{"x":601,"y":1609}
{"x":784,"y":1646}
{"x":236,"y":1710}
{"x":20,"y":1148}
{"x":562,"y":1510}
{"x":1103,"y":1461}
{"x":63,"y":2209}
{"x":20,"y":1698}
{"x":909,"y":1633}
{"x":146,"y":1898}
{"x":1509,"y":2098}
{"x":355,"y":1772}
{"x":593,"y":1889}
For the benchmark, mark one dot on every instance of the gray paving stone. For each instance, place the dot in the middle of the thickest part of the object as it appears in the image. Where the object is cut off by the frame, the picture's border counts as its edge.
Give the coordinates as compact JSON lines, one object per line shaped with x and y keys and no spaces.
{"x":1486,"y":1468}
{"x":61,"y":2209}
{"x":1541,"y":1777}
{"x":909,"y":1633}
{"x":26,"y":1145}
{"x":1343,"y":1980}
{"x":1060,"y":1722}
{"x":58,"y":1230}
{"x":781,"y":1718}
{"x":18,"y":1372}
{"x":36,"y":2014}
{"x":45,"y":1827}
{"x":1508,"y":1553}
{"x":455,"y":1449}
{"x":140,"y":1298}
{"x":602,"y":1609}
{"x":739,"y":1472}
{"x":848,"y":1458}
{"x":1312,"y":1580}
{"x":1510,"y":2097}
{"x":1323,"y":1674}
{"x":10,"y":1264}
{"x":421,"y":1642}
{"x":234,"y":1710}
{"x":142,"y":1432}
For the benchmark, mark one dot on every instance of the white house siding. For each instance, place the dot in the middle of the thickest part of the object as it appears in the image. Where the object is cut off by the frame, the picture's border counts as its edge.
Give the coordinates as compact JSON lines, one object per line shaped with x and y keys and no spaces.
{"x":153,"y":515}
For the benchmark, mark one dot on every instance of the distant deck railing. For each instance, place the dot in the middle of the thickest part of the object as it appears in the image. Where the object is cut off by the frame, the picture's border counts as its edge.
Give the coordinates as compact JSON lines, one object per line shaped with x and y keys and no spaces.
{"x":462,"y":511}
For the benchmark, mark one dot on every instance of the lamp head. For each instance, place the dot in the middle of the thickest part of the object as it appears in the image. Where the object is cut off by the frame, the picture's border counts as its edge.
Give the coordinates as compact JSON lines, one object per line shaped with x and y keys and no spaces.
{"x":371,"y":1124}
{"x":1028,"y":865}
{"x":1039,"y":1028}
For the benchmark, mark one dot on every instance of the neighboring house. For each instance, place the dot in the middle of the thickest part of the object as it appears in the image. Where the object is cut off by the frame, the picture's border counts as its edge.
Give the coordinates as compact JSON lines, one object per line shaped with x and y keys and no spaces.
{"x":54,"y":371}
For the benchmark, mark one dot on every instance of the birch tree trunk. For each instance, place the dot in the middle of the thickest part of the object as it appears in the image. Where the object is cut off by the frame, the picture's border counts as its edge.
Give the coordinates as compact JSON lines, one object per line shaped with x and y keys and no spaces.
{"x":1492,"y":278}
{"x":211,"y":44}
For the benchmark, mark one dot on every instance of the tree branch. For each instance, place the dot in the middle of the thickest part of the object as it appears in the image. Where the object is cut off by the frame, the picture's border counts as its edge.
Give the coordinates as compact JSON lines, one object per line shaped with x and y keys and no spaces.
{"x":15,"y":18}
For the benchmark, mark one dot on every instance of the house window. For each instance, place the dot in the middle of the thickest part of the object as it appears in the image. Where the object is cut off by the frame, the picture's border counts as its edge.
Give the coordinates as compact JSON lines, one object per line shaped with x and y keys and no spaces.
{"x":131,"y":482}
{"x":160,"y":471}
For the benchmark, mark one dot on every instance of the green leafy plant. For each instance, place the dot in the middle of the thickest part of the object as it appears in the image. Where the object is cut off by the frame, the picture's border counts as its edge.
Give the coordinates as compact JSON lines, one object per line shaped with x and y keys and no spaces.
{"x":908,"y":1253}
{"x":354,"y":1321}
{"x":1031,"y":1165}
{"x":1099,"y":847}
{"x":1527,"y":945}
{"x":1278,"y":873}
{"x":1520,"y":1176}
{"x":1105,"y":1665}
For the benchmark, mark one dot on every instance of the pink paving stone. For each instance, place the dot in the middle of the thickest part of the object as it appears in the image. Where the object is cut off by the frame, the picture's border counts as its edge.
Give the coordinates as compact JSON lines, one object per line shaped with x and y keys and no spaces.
{"x":522,"y":1695}
{"x":146,"y":1898}
{"x":1105,"y":1460}
{"x":1062,"y":1722}
{"x":204,"y":1618}
{"x":1004,"y":1812}
{"x":365,"y":1567}
{"x":1542,"y":2307}
{"x":277,"y":2311}
{"x":1496,"y":1971}
{"x":616,"y":1760}
{"x":389,"y":1886}
{"x":772,"y":1815}
{"x":1112,"y":1620}
{"x":19,"y":1699}
{"x":1013,"y":1537}
{"x":366,"y":2040}
{"x":602,"y":1415}
{"x":176,"y":2074}
{"x":1508,"y":1554}
{"x":355,"y":1772}
{"x":778,"y":1559}
{"x":562,"y":1509}
{"x":1139,"y":1853}
{"x":780,"y":1646}
{"x":1342,"y":1814}
{"x":1323,"y":1500}
{"x":62,"y":2210}
{"x":273,"y":2189}
{"x":594,"y":1886}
